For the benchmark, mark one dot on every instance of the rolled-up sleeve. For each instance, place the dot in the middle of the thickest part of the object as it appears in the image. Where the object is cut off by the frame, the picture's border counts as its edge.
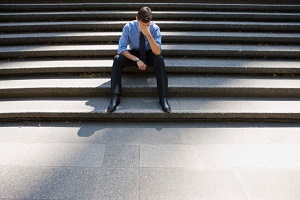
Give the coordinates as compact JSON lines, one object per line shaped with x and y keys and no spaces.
{"x":124,"y":40}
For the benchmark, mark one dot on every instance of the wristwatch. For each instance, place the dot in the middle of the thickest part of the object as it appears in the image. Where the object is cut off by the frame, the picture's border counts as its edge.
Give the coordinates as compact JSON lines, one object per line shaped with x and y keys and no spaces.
{"x":137,"y":59}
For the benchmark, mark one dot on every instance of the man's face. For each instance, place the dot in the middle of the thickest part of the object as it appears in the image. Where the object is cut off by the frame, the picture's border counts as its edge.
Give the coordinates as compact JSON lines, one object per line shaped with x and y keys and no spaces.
{"x":141,"y":22}
{"x":145,"y":24}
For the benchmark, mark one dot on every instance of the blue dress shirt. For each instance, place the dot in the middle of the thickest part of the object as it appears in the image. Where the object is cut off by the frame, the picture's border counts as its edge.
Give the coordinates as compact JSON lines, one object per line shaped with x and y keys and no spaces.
{"x":131,"y":34}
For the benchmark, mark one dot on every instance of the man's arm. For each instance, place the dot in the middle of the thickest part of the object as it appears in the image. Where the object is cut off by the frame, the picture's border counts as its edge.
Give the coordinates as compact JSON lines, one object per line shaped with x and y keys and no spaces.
{"x":122,"y":49}
{"x":145,"y":28}
{"x":141,"y":65}
{"x":128,"y":55}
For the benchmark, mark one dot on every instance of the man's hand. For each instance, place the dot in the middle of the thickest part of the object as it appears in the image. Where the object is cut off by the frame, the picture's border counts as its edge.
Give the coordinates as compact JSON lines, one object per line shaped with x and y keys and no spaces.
{"x":144,"y":27}
{"x":141,"y":65}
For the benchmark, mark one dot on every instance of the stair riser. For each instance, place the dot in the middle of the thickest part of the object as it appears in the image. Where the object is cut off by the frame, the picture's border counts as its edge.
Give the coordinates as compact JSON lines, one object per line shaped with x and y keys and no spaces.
{"x":139,"y":92}
{"x":159,"y":16}
{"x":169,"y":39}
{"x":154,"y":6}
{"x":171,"y":53}
{"x":292,"y":27}
{"x":139,"y":117}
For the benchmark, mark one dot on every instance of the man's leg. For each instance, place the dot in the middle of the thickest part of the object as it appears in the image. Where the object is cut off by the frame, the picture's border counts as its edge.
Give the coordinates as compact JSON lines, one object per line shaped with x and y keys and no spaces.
{"x":119,"y":63}
{"x":157,"y":61}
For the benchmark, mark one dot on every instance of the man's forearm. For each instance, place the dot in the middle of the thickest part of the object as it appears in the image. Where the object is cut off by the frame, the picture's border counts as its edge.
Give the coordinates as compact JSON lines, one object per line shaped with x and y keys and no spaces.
{"x":128,"y":55}
{"x":153,"y":45}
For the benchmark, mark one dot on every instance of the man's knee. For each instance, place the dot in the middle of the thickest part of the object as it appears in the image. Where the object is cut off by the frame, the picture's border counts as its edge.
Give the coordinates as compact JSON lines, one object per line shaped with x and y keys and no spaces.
{"x":119,"y":58}
{"x":158,"y":62}
{"x":158,"y":58}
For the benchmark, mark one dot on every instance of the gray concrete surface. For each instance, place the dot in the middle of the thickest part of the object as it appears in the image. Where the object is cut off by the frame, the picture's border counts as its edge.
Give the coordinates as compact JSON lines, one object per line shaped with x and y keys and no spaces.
{"x":164,"y":25}
{"x":139,"y":161}
{"x":145,"y":85}
{"x":188,"y":65}
{"x":193,"y":50}
{"x":148,"y":108}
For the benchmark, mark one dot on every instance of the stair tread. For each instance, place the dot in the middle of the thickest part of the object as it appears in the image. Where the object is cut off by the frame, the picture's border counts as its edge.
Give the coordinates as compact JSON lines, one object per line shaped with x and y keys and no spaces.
{"x":182,"y":50}
{"x":164,"y":25}
{"x":136,"y":107}
{"x":124,"y":5}
{"x":145,"y":81}
{"x":164,"y":33}
{"x":172,"y":65}
{"x":156,"y":21}
{"x":170,"y":47}
{"x":156,"y":13}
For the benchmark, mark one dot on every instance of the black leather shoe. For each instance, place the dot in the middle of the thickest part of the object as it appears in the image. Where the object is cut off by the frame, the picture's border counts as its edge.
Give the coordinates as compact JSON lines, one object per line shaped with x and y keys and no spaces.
{"x":164,"y":104}
{"x":114,"y":102}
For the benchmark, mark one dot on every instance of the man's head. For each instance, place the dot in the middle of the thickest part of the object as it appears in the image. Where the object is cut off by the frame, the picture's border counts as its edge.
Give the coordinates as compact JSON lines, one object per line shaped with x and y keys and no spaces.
{"x":144,"y":15}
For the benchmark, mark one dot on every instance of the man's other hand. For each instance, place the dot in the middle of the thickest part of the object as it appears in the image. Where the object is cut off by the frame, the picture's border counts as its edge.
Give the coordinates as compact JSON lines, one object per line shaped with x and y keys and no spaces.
{"x":141,"y":65}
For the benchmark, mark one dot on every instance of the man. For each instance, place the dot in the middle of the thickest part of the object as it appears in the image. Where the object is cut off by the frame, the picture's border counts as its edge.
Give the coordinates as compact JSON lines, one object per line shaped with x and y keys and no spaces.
{"x":144,"y":39}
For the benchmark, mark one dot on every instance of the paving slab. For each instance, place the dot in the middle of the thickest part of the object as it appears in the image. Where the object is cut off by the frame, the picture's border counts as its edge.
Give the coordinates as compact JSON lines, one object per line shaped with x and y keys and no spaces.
{"x":169,"y":156}
{"x":187,"y":184}
{"x":232,"y":165}
{"x":229,"y":155}
{"x":121,"y":156}
{"x":21,"y":182}
{"x":270,"y":183}
{"x":160,"y":133}
{"x":279,"y":155}
{"x":118,"y":183}
{"x":38,"y":154}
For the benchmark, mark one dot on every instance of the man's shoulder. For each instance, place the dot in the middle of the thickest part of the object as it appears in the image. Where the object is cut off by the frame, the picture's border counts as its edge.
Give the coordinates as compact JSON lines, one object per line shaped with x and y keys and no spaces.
{"x":132,"y":24}
{"x":155,"y":26}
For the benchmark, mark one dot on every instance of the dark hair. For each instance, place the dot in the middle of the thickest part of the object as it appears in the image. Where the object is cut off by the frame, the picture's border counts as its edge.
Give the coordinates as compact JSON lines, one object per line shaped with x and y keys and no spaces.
{"x":144,"y":14}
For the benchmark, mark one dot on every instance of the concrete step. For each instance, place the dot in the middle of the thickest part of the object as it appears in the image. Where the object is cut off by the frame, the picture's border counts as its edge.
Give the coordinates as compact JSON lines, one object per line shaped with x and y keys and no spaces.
{"x":169,"y":36}
{"x":272,"y":2}
{"x":164,"y":25}
{"x":173,"y":65}
{"x":199,"y":50}
{"x":148,"y":109}
{"x":159,"y":15}
{"x":154,"y":6}
{"x":145,"y":85}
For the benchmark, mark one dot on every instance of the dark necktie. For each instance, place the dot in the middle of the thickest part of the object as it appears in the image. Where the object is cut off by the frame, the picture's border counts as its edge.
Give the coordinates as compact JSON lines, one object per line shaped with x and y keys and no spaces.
{"x":142,"y":48}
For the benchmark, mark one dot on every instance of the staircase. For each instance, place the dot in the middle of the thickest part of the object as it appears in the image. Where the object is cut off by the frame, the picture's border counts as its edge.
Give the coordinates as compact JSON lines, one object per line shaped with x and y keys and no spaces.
{"x":225,"y":62}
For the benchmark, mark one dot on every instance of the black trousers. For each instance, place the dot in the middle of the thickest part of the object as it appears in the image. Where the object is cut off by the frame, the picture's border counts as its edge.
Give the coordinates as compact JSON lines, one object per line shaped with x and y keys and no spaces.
{"x":157,"y":62}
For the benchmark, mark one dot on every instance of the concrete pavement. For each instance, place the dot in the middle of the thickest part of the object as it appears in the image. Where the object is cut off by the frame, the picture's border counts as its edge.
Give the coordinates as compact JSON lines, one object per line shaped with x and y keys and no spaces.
{"x":184,"y":161}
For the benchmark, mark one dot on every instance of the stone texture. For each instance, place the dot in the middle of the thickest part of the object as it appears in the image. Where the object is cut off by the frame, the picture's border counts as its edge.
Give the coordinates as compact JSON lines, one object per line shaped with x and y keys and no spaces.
{"x":271,"y":183}
{"x":51,"y":154}
{"x":279,"y":155}
{"x":223,"y":135}
{"x":205,"y":65}
{"x":118,"y":183}
{"x":229,"y":155}
{"x":20,"y":182}
{"x":169,"y":156}
{"x":121,"y":156}
{"x":190,"y":184}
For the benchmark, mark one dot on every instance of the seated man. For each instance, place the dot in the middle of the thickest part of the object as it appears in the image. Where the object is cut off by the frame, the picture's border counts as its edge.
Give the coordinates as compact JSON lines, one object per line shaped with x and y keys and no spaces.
{"x":144,"y":39}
